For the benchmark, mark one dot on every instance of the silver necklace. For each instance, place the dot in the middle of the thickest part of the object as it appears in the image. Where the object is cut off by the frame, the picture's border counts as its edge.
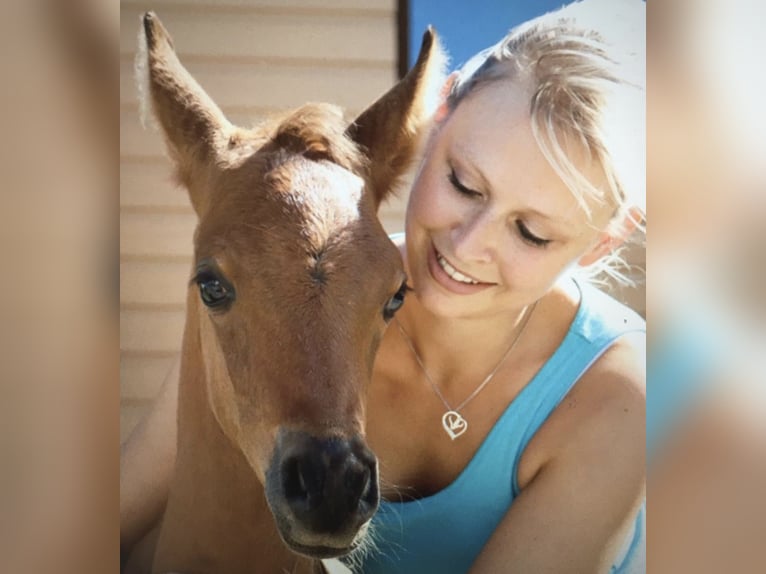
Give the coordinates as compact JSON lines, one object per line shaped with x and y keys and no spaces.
{"x":453,"y":422}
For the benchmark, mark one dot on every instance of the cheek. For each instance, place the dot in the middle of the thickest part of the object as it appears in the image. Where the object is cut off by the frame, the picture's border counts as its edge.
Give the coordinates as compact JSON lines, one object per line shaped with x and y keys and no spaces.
{"x":430,"y":203}
{"x":528,"y":268}
{"x":518,"y":266}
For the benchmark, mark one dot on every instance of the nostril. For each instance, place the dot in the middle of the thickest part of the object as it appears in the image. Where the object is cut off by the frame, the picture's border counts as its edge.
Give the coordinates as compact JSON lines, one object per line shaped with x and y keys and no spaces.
{"x":302,"y":482}
{"x":356,"y":482}
{"x":294,"y":484}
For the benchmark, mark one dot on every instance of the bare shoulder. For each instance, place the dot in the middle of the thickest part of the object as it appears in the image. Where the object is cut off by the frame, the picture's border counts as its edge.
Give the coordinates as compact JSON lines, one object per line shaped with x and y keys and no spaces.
{"x":604,"y":414}
{"x":610,"y":396}
{"x":619,"y":374}
{"x":583,"y":473}
{"x":613,"y":396}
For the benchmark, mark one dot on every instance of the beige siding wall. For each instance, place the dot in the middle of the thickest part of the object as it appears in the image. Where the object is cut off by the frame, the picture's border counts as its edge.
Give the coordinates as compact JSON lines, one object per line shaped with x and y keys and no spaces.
{"x":253,"y":57}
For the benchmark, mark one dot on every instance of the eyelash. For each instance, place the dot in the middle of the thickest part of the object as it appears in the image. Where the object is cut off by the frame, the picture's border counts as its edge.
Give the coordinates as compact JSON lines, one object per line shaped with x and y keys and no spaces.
{"x":460,"y":187}
{"x":530,"y":237}
{"x":524,"y":231}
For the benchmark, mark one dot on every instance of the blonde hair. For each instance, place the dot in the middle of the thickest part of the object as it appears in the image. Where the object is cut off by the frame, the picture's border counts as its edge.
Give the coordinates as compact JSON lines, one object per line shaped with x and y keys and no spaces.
{"x":584,"y":65}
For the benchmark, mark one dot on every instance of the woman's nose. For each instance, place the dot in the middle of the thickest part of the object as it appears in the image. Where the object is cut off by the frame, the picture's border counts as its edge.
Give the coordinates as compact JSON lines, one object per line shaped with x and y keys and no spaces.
{"x":474,"y":240}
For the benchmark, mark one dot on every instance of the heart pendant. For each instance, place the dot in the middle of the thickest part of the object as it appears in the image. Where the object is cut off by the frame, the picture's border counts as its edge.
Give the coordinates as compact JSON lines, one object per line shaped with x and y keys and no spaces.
{"x":454,"y":424}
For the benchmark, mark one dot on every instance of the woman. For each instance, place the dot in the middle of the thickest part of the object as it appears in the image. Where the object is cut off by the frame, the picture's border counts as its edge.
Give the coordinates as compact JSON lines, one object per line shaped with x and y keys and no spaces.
{"x":491,"y":457}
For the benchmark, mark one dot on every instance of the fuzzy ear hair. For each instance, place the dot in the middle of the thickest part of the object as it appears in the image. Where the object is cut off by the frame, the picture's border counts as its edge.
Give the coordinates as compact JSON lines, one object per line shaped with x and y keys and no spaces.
{"x":194,"y":127}
{"x":390,"y":130}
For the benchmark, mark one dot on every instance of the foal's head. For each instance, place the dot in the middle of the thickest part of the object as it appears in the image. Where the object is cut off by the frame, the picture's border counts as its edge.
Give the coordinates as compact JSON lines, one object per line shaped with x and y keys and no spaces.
{"x":294,"y":282}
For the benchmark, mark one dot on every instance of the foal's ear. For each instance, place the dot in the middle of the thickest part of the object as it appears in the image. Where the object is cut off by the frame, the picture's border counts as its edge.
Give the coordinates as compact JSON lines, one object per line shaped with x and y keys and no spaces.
{"x":194,"y":127}
{"x":390,"y":129}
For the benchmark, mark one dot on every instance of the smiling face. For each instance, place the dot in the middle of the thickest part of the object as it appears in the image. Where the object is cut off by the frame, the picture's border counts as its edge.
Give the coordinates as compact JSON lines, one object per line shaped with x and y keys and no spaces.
{"x":489,"y":222}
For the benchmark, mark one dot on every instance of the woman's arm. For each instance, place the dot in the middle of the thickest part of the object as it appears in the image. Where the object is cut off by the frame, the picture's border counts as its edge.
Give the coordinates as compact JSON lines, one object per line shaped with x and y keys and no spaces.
{"x":570,"y":517}
{"x":146,"y":464}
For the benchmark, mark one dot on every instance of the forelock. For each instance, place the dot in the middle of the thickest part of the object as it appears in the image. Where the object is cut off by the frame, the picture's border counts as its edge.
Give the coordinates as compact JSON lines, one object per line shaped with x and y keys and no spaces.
{"x":317,"y":131}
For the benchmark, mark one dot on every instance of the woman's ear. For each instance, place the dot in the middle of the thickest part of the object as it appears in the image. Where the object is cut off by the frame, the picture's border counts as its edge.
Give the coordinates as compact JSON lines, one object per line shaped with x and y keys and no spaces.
{"x":443,"y":109}
{"x":613,"y":238}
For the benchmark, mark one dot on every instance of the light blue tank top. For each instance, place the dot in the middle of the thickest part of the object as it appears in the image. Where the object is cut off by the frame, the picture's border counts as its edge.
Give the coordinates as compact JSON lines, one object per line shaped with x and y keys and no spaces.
{"x":445,"y":532}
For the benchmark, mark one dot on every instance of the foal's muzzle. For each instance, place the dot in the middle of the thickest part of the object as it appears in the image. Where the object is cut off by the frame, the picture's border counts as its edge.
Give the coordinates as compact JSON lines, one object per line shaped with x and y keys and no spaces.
{"x":321,"y":491}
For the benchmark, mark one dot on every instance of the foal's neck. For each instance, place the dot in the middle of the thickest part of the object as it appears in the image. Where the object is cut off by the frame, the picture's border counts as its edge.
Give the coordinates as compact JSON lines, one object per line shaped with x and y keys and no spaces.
{"x":217,"y":519}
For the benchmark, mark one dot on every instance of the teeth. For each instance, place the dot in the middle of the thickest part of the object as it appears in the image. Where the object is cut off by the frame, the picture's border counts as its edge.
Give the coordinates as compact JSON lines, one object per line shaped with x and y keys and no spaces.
{"x":454,"y":273}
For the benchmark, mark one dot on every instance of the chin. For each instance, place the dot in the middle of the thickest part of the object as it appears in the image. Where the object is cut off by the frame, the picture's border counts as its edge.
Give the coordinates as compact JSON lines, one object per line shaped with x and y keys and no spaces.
{"x":443,"y":304}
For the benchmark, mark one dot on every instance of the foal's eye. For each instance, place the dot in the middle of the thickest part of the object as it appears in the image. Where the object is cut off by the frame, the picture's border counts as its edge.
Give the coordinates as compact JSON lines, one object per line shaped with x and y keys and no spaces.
{"x":395,"y":302}
{"x":214,"y":291}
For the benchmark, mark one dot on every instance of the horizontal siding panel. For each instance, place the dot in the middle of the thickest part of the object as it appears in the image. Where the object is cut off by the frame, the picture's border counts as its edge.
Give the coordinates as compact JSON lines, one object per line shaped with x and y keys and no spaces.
{"x":636,"y":255}
{"x":268,"y":35}
{"x":237,"y":85}
{"x":153,"y":283}
{"x":376,"y":6}
{"x":141,"y":376}
{"x":151,"y":331}
{"x":157,"y":234}
{"x":139,"y":141}
{"x":391,"y":212}
{"x":395,"y":202}
{"x":171,"y":234}
{"x":135,"y":140}
{"x":145,"y":185}
{"x":163,"y":236}
{"x":151,"y":185}
{"x":392,"y":221}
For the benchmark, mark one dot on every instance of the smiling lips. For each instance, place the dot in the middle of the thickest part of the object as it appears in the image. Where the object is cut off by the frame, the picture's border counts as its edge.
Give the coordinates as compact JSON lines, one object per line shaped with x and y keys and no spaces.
{"x":447,"y":276}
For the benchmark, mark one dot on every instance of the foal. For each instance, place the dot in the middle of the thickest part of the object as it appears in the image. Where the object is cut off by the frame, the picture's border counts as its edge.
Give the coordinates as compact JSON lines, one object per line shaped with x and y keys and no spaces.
{"x":293,"y":283}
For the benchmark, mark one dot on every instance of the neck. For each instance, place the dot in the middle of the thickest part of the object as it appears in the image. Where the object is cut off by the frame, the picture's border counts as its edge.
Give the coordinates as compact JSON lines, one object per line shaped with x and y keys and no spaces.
{"x":217,"y":518}
{"x":459,"y":351}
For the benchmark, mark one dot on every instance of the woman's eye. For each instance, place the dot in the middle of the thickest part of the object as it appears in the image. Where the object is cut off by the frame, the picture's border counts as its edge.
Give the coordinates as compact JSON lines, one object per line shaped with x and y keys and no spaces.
{"x":395,"y":303}
{"x":458,"y":185}
{"x":530,"y":237}
{"x":213,"y":292}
